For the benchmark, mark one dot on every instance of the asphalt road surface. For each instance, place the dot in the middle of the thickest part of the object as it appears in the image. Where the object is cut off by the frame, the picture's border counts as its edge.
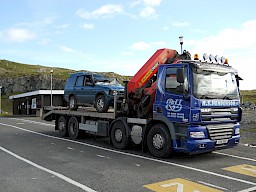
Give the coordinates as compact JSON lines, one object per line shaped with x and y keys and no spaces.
{"x":34,"y":158}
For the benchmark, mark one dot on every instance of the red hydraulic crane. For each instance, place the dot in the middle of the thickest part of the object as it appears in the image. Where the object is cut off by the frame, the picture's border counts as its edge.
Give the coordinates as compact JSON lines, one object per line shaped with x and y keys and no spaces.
{"x":141,"y":88}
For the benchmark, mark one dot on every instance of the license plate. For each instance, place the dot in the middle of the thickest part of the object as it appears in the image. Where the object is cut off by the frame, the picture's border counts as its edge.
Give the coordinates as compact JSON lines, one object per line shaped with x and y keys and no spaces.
{"x":223,"y":141}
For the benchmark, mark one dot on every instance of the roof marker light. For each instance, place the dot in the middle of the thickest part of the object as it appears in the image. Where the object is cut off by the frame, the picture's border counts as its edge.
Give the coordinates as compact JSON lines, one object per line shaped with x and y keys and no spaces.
{"x":217,"y":59}
{"x":196,"y":57}
{"x":211,"y":57}
{"x":222,"y":60}
{"x":226,"y":62}
{"x":205,"y":56}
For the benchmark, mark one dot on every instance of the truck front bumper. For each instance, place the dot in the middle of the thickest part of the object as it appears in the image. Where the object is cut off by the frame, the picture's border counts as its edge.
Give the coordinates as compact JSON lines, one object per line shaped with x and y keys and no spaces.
{"x":196,"y":146}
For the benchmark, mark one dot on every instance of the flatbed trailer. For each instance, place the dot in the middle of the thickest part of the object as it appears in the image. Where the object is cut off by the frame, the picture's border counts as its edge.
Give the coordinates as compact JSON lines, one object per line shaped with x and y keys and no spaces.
{"x":118,"y":129}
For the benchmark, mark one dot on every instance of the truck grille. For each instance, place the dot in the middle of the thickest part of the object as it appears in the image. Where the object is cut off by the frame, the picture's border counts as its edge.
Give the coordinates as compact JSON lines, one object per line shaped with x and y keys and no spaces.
{"x":219,"y":115}
{"x":220,"y":131}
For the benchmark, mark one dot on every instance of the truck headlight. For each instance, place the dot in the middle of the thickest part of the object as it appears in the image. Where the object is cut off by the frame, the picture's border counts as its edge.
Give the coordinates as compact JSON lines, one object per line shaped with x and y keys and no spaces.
{"x":237,"y":131}
{"x":197,"y":135}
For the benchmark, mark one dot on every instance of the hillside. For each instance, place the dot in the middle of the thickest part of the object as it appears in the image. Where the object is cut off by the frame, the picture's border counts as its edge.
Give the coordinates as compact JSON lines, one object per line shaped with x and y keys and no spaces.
{"x":18,"y":78}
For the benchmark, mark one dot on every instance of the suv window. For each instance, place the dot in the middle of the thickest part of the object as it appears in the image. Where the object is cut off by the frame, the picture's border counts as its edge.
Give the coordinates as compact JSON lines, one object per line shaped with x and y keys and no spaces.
{"x":80,"y":81}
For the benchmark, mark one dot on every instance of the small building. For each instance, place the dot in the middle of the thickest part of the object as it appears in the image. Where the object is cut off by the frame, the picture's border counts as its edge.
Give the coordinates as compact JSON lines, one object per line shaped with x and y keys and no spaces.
{"x":32,"y":103}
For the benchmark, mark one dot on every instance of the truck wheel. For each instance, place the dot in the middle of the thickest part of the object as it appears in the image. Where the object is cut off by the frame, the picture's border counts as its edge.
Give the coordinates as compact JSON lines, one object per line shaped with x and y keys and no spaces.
{"x":62,"y":126}
{"x":118,"y":135}
{"x":73,"y":103}
{"x":159,"y":141}
{"x":73,"y":128}
{"x":101,"y":104}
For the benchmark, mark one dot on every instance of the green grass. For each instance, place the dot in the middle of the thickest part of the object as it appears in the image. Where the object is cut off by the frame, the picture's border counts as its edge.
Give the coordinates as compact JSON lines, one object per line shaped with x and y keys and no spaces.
{"x":248,"y":95}
{"x":14,"y":69}
{"x":6,"y":105}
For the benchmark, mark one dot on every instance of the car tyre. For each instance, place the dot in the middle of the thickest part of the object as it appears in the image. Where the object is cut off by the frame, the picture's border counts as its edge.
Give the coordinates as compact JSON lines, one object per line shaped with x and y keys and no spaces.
{"x":73,"y":103}
{"x":101,"y":104}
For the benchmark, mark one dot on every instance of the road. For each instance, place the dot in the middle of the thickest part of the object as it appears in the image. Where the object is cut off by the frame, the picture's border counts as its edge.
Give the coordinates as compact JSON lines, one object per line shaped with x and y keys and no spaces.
{"x":34,"y":158}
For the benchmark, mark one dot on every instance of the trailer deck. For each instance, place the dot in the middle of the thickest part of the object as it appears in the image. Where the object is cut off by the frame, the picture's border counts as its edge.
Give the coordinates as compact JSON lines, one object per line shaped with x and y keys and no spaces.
{"x":85,"y":112}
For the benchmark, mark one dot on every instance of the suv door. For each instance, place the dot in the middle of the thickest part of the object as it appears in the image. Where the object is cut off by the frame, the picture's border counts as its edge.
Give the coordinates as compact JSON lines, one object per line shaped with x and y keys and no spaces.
{"x":78,"y":89}
{"x":89,"y":89}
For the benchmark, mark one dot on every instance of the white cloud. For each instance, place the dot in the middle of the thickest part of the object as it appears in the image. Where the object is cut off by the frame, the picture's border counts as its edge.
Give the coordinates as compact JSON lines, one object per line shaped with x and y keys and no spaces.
{"x":64,"y":26}
{"x":142,"y":46}
{"x":17,"y":35}
{"x":181,"y":24}
{"x":67,"y":49}
{"x":88,"y":26}
{"x":148,"y":12}
{"x":45,"y":41}
{"x":239,"y":45}
{"x":105,"y":11}
{"x":152,"y":2}
{"x":229,"y":39}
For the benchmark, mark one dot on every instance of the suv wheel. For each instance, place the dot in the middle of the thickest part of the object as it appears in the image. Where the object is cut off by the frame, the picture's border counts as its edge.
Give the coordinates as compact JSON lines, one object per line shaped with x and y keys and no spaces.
{"x":101,"y":104}
{"x":72,"y":103}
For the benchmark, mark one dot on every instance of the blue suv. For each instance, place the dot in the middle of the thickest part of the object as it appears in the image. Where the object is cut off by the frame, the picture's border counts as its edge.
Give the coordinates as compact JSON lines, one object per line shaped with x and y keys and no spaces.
{"x":85,"y":88}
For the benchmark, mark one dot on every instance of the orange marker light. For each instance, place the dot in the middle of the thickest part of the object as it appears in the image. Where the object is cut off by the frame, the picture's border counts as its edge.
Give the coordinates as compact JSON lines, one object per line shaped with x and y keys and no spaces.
{"x":196,"y":57}
{"x":226,"y":61}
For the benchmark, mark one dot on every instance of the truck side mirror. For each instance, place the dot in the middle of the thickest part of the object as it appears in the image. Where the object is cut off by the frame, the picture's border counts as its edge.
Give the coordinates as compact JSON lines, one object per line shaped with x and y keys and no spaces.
{"x":180,"y":75}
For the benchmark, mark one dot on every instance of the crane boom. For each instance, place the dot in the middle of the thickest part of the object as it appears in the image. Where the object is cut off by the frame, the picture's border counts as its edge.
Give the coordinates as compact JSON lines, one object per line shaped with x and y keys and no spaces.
{"x":141,"y":87}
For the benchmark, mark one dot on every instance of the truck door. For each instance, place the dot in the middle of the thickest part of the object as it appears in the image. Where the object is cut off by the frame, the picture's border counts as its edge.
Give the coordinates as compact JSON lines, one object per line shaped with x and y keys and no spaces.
{"x":174,"y":100}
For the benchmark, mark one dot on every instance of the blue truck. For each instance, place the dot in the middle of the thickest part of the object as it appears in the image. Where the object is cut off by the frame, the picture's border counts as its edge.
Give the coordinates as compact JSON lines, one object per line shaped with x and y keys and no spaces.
{"x":172,"y":104}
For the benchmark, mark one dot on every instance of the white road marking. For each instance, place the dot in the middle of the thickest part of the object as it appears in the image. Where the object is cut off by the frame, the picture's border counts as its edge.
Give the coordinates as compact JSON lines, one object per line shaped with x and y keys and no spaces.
{"x":63,"y":177}
{"x":179,"y":186}
{"x":70,"y":148}
{"x":101,"y":156}
{"x":249,"y":190}
{"x":134,"y":155}
{"x":249,"y":169}
{"x":34,"y":122}
{"x":235,"y":156}
{"x":211,"y":185}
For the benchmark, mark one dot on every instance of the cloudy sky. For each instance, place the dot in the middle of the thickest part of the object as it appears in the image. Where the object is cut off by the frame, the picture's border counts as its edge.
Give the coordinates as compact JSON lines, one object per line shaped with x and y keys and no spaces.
{"x":120,"y":36}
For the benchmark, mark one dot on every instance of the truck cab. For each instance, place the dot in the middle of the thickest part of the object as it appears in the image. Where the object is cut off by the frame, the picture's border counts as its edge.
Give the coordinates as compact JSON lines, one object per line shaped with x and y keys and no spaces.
{"x":199,"y":103}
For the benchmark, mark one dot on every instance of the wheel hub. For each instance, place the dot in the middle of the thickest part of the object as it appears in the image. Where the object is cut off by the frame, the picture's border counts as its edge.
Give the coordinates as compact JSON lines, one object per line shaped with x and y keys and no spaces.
{"x":100,"y":103}
{"x":62,"y":126}
{"x":158,"y":141}
{"x":72,"y":103}
{"x":118,"y":135}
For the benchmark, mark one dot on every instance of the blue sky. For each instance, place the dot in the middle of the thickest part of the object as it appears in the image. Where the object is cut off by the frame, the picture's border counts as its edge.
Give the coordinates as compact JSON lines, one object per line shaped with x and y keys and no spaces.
{"x":120,"y":36}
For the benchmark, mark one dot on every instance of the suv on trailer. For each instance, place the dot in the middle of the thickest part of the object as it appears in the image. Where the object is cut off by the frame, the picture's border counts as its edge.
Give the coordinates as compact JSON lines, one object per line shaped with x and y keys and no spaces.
{"x":85,"y":88}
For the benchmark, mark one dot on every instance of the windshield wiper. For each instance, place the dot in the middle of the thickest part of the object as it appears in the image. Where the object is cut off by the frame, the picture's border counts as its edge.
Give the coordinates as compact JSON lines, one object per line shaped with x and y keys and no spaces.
{"x":226,"y":97}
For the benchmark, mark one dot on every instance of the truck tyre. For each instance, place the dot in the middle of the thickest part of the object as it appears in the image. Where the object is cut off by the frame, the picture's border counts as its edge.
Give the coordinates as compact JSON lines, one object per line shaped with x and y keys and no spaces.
{"x":73,"y":128}
{"x":101,"y":104}
{"x":159,"y":141}
{"x":118,"y":135}
{"x":73,"y":103}
{"x":62,"y":126}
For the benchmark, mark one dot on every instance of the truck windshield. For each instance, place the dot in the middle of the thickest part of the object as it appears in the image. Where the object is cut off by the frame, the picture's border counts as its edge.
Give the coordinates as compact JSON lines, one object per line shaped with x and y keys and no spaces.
{"x":214,"y":85}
